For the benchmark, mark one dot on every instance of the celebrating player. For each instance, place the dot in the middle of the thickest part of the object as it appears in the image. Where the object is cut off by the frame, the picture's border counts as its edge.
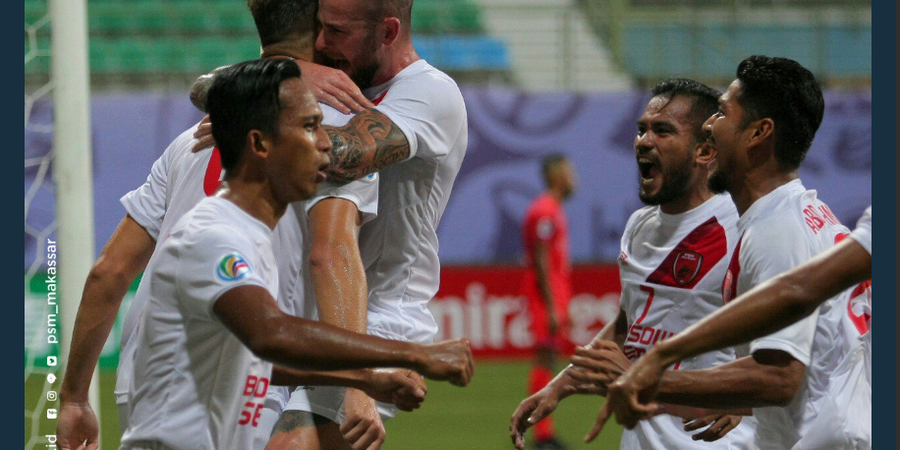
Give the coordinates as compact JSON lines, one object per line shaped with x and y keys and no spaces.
{"x":548,"y":278}
{"x":809,"y":384}
{"x":673,"y":257}
{"x":763,"y":310}
{"x":206,"y":333}
{"x":419,"y":122}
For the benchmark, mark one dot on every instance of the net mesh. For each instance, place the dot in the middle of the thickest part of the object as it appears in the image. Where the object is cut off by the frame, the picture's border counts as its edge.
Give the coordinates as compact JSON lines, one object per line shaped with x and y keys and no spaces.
{"x":40,"y":225}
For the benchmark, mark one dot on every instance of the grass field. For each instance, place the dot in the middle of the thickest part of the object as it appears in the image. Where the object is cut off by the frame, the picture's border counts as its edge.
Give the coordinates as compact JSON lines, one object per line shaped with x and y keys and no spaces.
{"x":471,"y":418}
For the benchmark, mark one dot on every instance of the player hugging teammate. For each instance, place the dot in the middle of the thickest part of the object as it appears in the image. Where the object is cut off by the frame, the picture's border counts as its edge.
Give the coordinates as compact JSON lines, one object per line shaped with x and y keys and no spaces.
{"x":270,"y":295}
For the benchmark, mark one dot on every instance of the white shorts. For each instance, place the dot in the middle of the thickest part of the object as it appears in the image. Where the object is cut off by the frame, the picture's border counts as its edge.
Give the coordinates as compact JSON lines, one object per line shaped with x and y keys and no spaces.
{"x":328,"y":402}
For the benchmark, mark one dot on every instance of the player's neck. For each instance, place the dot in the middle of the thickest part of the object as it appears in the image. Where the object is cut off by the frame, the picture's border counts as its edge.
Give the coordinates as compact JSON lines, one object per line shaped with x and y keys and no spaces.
{"x":556,"y":194}
{"x":301,"y":49}
{"x":401,"y":57}
{"x":256,"y":198}
{"x":756,"y":185}
{"x":690,"y":200}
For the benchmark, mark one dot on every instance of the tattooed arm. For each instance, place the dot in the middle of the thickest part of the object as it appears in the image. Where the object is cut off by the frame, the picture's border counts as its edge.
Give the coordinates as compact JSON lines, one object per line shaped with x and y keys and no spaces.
{"x":367,"y":144}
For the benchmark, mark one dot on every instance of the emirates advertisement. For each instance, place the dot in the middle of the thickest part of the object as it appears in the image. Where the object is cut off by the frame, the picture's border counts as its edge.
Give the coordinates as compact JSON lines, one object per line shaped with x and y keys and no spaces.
{"x":485,"y":304}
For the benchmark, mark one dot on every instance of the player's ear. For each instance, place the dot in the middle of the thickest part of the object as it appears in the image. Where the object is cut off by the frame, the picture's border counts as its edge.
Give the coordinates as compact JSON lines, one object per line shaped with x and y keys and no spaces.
{"x":761,"y":130}
{"x":391,"y":30}
{"x":704,"y":153}
{"x":259,"y":143}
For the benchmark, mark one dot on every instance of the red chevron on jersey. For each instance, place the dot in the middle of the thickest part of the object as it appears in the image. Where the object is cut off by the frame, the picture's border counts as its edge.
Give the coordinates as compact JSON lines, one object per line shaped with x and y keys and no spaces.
{"x":693,"y":257}
{"x":213,"y":177}
{"x":729,"y":284}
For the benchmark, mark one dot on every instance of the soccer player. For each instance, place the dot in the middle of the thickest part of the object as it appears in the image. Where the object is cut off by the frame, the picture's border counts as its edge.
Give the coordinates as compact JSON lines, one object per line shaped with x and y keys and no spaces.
{"x":206,"y":340}
{"x":809,"y":383}
{"x":674,"y":254}
{"x":548,"y":284}
{"x":763,"y":310}
{"x":178,"y":180}
{"x":419,"y":123}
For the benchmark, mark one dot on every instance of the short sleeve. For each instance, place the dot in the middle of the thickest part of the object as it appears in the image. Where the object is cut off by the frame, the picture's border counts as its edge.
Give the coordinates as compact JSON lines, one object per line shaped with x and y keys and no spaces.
{"x":211,"y":263}
{"x":863,"y":232}
{"x":362,"y":192}
{"x":767,"y":251}
{"x":147,"y":204}
{"x":429,"y":110}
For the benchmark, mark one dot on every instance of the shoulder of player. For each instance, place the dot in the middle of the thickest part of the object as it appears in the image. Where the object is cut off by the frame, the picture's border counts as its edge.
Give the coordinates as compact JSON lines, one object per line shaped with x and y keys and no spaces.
{"x":430,"y":83}
{"x":640,"y":215}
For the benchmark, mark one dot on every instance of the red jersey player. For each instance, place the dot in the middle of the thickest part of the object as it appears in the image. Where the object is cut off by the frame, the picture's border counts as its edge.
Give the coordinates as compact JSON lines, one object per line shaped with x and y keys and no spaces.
{"x":548,"y":278}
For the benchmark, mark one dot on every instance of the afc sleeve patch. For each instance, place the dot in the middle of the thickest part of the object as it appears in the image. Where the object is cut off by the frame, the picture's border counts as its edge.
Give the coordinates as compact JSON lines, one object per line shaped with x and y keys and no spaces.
{"x":232,"y":267}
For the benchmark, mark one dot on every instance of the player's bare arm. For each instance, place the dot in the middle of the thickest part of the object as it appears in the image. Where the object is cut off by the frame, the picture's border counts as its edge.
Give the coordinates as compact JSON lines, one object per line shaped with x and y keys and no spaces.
{"x":253,"y":316}
{"x":330,"y":86}
{"x":542,"y":268}
{"x":774,"y":304}
{"x":540,"y":405}
{"x":339,"y":280}
{"x":120,"y":262}
{"x":769,"y":307}
{"x":385,"y":385}
{"x":366,"y":144}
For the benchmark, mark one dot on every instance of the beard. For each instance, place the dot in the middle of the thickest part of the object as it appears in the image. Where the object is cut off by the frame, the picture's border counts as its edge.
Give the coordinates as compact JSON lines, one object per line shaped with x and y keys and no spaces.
{"x":363,"y":76}
{"x":674,"y":186}
{"x":718,"y":182}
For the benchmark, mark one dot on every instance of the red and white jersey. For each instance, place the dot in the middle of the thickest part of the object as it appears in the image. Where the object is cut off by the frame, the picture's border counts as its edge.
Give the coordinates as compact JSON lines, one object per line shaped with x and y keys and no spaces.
{"x":671,"y":268}
{"x":178,"y":180}
{"x":863,"y":232}
{"x":199,"y":387}
{"x":832,"y":409}
{"x":399,"y":248}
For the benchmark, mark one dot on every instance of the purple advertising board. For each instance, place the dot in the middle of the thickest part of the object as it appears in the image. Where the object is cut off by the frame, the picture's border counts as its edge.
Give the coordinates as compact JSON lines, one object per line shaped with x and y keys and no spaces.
{"x":509,"y":133}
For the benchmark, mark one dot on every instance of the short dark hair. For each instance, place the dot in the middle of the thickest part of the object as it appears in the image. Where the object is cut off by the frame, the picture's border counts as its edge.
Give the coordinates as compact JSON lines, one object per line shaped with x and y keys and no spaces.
{"x":280,"y":20}
{"x":549,"y":162}
{"x":401,"y":9}
{"x":705,"y":100}
{"x":244,"y":97}
{"x":786,"y":92}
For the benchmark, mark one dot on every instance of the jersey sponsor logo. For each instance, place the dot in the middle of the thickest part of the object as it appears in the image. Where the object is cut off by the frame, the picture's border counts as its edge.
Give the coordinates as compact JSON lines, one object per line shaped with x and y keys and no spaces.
{"x":232,"y":267}
{"x":683,"y":266}
{"x":686,"y":266}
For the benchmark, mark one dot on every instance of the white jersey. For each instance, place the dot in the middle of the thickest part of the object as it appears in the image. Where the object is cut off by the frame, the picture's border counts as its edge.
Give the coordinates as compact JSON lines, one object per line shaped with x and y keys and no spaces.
{"x":671,"y":268}
{"x":178,"y":180}
{"x":832,"y":409}
{"x":400,"y":247}
{"x":199,"y":387}
{"x":863,"y":232}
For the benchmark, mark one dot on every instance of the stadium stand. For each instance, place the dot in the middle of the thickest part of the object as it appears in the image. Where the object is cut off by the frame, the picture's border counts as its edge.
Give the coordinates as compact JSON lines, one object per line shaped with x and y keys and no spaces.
{"x":162,"y":38}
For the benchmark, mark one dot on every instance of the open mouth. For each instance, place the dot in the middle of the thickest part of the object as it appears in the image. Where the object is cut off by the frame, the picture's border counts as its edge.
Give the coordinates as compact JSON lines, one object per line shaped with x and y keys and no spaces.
{"x":322,"y":173}
{"x":649,"y":169}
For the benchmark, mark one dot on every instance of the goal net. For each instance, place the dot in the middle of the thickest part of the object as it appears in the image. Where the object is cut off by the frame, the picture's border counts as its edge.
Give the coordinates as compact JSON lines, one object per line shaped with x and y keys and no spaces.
{"x":59,"y":243}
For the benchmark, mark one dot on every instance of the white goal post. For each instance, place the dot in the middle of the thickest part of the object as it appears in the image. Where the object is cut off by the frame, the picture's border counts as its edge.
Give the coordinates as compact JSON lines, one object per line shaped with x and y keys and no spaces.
{"x":72,"y":165}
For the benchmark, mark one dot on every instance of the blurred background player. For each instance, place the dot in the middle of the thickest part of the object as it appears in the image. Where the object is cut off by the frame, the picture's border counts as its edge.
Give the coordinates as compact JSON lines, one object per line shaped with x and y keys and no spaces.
{"x":548,"y":283}
{"x":808,"y":384}
{"x":674,"y":254}
{"x":763,"y":310}
{"x":203,"y":361}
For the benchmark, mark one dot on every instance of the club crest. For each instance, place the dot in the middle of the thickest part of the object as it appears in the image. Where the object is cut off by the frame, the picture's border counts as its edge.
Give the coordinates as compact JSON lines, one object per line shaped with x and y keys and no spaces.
{"x":686,"y":267}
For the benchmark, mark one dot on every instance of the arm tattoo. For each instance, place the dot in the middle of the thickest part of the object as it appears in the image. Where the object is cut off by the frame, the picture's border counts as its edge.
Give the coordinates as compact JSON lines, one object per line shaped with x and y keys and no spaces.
{"x":368,"y":143}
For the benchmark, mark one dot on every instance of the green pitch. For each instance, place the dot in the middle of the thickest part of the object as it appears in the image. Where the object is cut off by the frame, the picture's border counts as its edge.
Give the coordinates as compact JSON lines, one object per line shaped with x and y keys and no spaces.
{"x":471,"y":418}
